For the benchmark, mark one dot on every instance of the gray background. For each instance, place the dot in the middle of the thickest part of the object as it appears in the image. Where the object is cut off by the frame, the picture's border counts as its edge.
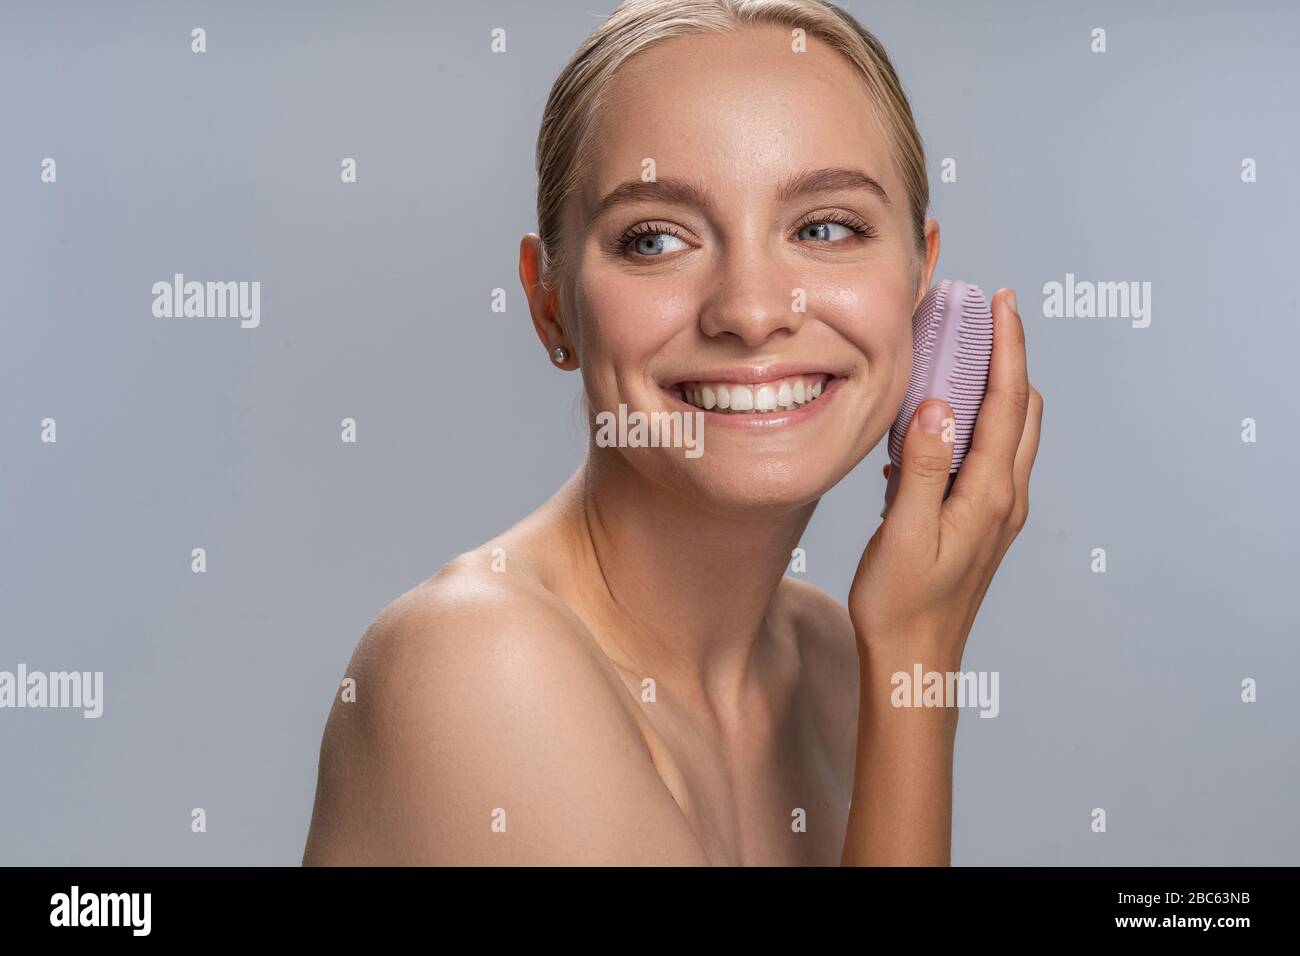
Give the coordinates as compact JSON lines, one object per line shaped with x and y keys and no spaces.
{"x":1118,"y":690}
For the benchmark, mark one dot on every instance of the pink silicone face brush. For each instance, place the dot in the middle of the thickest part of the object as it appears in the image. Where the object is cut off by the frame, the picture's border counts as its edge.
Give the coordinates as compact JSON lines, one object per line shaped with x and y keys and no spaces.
{"x":952,"y":341}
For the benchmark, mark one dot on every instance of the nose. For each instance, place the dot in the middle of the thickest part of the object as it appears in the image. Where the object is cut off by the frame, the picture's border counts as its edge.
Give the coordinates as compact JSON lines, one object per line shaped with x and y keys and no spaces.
{"x":753,"y":299}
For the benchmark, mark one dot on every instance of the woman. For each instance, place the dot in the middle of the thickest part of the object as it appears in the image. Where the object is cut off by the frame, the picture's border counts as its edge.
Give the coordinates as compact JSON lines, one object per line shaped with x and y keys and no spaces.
{"x":732,"y":201}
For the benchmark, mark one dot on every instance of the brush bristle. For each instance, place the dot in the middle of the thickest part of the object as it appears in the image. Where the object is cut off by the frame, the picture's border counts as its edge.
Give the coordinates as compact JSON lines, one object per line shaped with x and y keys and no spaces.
{"x":952,"y":340}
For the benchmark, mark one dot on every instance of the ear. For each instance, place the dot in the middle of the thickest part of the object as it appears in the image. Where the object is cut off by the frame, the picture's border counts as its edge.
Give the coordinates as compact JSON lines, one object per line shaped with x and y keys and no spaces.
{"x":926,"y":276}
{"x":543,"y":303}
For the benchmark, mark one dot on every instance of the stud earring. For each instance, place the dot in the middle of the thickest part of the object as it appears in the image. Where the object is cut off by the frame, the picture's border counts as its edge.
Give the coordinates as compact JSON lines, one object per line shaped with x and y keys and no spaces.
{"x":560,"y":354}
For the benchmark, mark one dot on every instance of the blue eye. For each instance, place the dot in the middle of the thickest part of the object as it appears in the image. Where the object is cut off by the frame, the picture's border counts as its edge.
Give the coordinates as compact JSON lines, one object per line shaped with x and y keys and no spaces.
{"x":825,"y":231}
{"x":657,"y":243}
{"x":649,"y":241}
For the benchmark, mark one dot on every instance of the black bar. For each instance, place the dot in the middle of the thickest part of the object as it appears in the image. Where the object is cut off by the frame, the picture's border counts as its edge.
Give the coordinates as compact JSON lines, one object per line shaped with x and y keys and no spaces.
{"x":977,"y":905}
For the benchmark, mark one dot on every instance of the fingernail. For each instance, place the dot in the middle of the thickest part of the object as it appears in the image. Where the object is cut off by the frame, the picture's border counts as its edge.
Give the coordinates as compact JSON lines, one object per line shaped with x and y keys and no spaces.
{"x":930,"y":417}
{"x":1011,"y":294}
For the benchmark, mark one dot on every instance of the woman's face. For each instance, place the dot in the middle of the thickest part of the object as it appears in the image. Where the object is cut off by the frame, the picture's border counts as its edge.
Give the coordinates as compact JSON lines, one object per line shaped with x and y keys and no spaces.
{"x":771,"y":259}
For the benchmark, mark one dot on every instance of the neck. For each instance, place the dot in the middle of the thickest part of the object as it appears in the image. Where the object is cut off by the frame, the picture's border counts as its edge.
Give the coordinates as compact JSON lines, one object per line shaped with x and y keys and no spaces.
{"x":684,"y":592}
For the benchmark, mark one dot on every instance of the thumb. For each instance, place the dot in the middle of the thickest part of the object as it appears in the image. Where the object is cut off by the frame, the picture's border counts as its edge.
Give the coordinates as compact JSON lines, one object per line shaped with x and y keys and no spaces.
{"x":927,"y":457}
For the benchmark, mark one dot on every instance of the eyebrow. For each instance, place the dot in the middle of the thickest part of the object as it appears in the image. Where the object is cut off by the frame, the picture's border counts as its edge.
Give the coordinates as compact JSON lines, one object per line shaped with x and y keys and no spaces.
{"x":686,"y":192}
{"x":830,"y":179}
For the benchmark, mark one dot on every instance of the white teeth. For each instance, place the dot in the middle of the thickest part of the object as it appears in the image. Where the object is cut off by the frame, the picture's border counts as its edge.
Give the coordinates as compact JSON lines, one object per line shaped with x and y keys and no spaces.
{"x":787,"y":393}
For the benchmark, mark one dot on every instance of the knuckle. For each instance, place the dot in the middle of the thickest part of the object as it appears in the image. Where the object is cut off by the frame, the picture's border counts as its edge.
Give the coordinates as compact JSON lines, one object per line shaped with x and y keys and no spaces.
{"x":1000,"y":501}
{"x":929,"y":465}
{"x":1019,"y":399}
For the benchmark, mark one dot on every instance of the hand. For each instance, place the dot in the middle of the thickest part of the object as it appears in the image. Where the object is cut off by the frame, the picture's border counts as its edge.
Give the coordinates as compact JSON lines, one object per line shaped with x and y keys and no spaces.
{"x":925,"y":571}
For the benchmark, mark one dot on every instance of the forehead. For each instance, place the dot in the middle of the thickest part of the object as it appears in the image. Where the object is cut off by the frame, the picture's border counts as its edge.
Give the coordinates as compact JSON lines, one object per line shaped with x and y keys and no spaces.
{"x":737,"y":112}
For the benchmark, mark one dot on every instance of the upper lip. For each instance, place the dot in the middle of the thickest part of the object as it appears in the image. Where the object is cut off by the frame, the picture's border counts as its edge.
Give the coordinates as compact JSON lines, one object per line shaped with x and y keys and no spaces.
{"x":753,"y":374}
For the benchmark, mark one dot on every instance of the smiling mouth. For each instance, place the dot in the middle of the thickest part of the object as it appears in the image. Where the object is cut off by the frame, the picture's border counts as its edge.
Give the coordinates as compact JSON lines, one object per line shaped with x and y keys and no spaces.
{"x":759,"y":398}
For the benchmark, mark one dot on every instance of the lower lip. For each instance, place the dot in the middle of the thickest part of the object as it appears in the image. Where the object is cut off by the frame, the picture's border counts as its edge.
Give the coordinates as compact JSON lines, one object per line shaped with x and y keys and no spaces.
{"x":777,"y":419}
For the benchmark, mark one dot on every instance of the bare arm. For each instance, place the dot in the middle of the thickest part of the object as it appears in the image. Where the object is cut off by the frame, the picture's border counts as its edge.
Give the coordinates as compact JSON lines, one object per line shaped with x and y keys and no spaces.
{"x":914,"y":599}
{"x":902,"y":783}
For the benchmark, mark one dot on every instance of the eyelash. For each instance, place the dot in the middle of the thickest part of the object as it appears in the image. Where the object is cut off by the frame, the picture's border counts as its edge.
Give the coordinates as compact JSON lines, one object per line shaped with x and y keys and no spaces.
{"x":863,"y":229}
{"x":624,"y":242}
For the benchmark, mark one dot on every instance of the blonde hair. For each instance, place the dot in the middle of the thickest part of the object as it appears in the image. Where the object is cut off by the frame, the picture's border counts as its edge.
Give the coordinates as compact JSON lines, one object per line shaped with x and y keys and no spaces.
{"x":638,"y":24}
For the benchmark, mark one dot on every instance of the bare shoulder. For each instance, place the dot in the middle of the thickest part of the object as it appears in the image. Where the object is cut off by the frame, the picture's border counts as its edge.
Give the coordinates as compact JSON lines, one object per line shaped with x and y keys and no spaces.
{"x":829,"y":654}
{"x":485,"y":727}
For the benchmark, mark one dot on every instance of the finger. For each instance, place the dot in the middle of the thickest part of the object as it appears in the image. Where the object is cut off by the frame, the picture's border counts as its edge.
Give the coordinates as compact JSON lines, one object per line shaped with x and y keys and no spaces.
{"x":923,"y":474}
{"x":1001,"y":420}
{"x":1028,"y":449}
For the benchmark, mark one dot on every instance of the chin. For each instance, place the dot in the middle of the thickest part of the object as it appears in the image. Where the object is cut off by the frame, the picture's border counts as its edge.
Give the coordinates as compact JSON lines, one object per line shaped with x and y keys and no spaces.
{"x":741,"y":487}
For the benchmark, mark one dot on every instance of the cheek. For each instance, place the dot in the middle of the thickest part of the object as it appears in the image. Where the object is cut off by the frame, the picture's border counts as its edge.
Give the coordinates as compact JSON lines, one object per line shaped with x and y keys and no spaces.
{"x":874,"y":314}
{"x":626,"y":320}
